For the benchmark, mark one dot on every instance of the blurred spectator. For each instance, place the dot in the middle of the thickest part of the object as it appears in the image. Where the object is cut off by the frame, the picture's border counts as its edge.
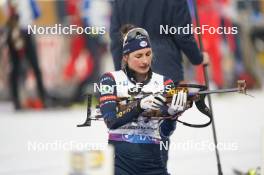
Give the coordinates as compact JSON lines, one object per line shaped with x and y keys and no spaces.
{"x":166,"y":47}
{"x":85,"y":13}
{"x":21,"y":45}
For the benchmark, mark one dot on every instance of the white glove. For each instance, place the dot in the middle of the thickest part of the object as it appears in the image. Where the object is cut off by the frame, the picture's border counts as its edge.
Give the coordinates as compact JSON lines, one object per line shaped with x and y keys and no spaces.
{"x":178,"y":103}
{"x":152,"y":102}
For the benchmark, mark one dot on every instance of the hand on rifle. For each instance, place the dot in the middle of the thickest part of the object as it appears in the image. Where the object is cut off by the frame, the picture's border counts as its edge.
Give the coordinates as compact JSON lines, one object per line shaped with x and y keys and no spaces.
{"x":152,"y":102}
{"x":178,"y":103}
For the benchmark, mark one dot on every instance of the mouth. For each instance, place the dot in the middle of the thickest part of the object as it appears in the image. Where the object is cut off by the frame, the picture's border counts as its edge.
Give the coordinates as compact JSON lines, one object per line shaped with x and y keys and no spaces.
{"x":144,"y":67}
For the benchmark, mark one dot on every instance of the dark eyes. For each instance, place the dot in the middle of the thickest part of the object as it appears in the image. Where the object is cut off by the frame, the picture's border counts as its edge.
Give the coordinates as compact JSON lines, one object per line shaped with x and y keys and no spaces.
{"x":140,"y":55}
{"x":148,"y":53}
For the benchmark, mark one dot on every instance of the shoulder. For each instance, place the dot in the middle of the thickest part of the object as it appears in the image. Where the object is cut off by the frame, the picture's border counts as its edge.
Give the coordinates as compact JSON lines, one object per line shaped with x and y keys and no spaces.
{"x":113,"y":76}
{"x":107,"y":78}
{"x":156,"y":75}
{"x":106,"y":87}
{"x":165,"y":79}
{"x":167,"y":82}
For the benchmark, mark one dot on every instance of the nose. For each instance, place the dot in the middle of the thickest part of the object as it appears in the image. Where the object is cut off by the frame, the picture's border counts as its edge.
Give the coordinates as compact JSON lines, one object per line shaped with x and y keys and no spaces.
{"x":145,"y":60}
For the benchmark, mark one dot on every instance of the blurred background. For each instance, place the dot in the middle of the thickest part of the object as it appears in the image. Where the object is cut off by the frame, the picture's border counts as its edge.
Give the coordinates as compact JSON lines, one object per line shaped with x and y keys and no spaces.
{"x":44,"y":78}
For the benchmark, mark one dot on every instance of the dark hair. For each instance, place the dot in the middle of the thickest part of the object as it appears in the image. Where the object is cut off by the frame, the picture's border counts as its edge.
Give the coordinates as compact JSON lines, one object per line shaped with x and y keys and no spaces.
{"x":125,"y":28}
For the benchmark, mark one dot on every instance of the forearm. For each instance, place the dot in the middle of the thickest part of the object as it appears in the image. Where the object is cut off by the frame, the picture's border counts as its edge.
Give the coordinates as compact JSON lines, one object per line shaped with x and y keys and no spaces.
{"x":186,"y":42}
{"x":120,"y":120}
{"x":191,"y":50}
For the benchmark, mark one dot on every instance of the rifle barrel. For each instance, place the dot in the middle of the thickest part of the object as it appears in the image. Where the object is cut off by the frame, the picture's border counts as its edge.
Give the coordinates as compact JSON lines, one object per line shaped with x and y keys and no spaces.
{"x":219,"y":91}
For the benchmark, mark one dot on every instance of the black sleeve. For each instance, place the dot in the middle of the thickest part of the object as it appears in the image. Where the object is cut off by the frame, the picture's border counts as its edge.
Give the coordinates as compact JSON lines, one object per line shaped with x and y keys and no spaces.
{"x":108,"y":104}
{"x":167,"y":126}
{"x":115,"y":36}
{"x":186,"y":42}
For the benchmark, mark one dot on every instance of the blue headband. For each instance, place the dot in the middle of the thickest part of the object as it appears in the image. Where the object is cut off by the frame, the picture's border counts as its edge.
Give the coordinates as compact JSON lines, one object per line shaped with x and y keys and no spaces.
{"x":137,"y":43}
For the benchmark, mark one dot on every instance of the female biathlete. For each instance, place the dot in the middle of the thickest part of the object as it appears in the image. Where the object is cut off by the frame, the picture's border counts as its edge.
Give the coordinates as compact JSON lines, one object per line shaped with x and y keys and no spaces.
{"x":135,"y":139}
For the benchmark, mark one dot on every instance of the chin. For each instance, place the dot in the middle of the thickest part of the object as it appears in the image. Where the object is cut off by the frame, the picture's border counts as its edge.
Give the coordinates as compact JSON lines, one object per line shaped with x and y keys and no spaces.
{"x":145,"y":71}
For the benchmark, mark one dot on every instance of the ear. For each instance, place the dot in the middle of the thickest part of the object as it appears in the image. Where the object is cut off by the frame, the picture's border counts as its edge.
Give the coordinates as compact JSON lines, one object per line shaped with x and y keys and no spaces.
{"x":125,"y":58}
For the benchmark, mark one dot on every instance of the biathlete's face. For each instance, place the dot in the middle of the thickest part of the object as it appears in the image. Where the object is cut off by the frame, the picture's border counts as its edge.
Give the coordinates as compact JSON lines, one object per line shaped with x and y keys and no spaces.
{"x":140,"y":60}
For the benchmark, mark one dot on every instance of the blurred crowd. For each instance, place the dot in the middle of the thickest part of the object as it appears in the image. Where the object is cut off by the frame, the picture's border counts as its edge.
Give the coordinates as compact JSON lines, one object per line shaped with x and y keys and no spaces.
{"x":38,"y":71}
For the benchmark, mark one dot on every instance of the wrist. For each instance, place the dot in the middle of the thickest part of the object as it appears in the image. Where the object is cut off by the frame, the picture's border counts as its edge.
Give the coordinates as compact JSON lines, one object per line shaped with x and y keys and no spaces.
{"x":171,"y":111}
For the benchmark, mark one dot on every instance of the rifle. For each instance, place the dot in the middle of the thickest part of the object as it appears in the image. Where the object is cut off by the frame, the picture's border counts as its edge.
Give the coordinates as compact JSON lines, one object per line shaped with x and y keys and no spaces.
{"x":197,"y":97}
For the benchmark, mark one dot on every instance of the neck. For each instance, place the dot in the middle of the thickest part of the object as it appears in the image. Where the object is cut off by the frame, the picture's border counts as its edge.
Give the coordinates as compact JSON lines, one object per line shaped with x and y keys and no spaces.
{"x":141,"y":77}
{"x":136,"y":76}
